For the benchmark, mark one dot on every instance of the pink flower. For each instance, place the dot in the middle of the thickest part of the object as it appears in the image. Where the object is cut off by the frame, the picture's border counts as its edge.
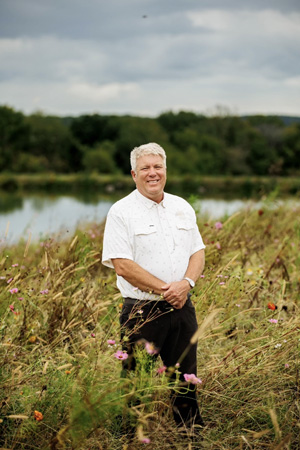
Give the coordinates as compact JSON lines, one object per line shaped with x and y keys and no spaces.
{"x":8,"y":281}
{"x":45,"y":291}
{"x":202,"y":276}
{"x":222,"y":282}
{"x":14,"y":265}
{"x":13,"y":290}
{"x":286,"y":365}
{"x":120,"y":355}
{"x":161,"y":369}
{"x":93,"y":335}
{"x":12,"y":308}
{"x":111,"y":341}
{"x":218,"y":246}
{"x":150,"y":348}
{"x":191,"y":378}
{"x":273,"y":320}
{"x":21,"y":298}
{"x":145,"y":440}
{"x":218,"y":225}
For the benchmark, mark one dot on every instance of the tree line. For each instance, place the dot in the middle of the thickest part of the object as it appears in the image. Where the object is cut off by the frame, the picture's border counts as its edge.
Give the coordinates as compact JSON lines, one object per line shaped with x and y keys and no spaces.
{"x":224,"y":144}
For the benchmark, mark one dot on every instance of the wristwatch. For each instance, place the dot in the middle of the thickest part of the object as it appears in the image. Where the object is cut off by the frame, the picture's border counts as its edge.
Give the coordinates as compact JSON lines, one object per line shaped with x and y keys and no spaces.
{"x":192,"y":282}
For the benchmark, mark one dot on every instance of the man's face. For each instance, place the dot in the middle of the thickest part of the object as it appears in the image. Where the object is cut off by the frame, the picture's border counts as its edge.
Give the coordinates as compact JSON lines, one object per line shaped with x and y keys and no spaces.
{"x":150,"y":177}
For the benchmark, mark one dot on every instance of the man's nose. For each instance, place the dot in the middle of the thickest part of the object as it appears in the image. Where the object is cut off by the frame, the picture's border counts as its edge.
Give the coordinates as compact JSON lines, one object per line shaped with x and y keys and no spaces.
{"x":152,"y":171}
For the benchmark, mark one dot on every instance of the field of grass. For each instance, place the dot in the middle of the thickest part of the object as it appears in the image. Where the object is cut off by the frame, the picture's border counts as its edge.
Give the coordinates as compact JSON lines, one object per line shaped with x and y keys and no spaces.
{"x":60,"y":384}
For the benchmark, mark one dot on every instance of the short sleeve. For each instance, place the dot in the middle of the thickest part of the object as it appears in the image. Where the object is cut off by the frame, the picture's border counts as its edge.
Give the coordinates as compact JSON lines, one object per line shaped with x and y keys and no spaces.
{"x":116,"y":241}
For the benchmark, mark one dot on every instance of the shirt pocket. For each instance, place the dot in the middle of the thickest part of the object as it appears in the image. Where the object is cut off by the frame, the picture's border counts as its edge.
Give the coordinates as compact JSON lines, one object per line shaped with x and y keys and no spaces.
{"x":144,"y":229}
{"x":184,"y":224}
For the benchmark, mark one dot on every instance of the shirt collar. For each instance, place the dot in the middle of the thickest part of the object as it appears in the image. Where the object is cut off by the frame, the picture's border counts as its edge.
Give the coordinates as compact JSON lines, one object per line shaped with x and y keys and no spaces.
{"x":148,"y":202}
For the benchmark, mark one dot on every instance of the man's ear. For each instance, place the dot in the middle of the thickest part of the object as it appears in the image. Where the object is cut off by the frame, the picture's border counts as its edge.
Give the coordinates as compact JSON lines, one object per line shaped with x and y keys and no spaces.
{"x":133,"y":174}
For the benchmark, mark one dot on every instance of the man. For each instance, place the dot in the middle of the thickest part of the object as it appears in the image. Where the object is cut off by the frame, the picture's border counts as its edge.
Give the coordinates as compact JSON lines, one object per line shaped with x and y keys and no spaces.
{"x":152,"y":241}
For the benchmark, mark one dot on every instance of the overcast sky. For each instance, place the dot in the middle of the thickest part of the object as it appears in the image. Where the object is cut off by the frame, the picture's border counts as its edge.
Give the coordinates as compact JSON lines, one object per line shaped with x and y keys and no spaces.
{"x":144,"y":57}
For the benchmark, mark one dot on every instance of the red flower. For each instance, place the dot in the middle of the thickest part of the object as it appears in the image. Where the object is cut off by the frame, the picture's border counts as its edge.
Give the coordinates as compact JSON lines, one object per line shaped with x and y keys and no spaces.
{"x":38,"y":416}
{"x":260,"y":212}
{"x":272,"y":306}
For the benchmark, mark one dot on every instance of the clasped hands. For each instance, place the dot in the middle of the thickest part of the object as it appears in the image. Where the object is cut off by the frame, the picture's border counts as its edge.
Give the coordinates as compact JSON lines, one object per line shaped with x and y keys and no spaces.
{"x":176,"y":293}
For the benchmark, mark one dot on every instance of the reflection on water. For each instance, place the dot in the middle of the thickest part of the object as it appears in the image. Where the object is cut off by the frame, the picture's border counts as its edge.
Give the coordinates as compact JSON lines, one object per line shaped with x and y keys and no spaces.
{"x":42,"y":216}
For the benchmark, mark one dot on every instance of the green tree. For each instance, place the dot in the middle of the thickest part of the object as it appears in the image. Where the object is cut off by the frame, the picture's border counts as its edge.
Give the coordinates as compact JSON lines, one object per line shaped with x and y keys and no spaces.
{"x":51,"y":139}
{"x":14,"y":136}
{"x":100,"y":158}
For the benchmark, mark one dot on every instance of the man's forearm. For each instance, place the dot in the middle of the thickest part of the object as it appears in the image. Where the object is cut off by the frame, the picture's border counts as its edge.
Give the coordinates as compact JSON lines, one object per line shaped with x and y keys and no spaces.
{"x":196,"y":265}
{"x":137,"y":276}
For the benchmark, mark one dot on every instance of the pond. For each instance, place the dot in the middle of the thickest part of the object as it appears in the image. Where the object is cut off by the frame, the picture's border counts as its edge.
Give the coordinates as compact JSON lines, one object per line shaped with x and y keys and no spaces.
{"x":41,"y":216}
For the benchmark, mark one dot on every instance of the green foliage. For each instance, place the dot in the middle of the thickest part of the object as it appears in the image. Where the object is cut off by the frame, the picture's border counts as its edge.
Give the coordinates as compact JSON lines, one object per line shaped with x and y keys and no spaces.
{"x":223,"y":144}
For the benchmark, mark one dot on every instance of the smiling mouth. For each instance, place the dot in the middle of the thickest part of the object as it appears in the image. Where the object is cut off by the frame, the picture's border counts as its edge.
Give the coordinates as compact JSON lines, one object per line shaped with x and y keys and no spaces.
{"x":153,"y":181}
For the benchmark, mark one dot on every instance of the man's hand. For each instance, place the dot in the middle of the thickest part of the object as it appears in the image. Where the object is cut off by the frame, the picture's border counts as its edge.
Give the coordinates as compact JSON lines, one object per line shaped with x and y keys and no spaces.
{"x":176,"y":293}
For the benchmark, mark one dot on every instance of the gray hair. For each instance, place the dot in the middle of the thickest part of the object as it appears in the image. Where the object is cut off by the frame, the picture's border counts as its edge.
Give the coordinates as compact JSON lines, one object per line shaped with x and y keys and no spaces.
{"x":146,"y":149}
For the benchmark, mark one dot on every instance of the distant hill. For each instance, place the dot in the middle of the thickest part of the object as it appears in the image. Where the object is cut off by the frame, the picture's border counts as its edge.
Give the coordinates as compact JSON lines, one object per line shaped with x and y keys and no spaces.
{"x":289,"y":120}
{"x":286,"y":120}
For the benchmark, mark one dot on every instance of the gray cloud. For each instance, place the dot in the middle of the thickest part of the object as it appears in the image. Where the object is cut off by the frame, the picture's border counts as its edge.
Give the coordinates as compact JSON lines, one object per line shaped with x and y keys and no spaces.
{"x":73,"y":56}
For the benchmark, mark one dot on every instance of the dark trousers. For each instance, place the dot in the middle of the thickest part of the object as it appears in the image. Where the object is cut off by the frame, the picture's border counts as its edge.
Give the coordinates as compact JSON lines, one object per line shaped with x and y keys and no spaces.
{"x":170,"y":331}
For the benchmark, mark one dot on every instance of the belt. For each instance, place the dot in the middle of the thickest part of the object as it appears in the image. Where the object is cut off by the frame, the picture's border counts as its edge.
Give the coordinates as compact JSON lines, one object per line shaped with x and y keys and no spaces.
{"x":163,"y":304}
{"x":152,"y":305}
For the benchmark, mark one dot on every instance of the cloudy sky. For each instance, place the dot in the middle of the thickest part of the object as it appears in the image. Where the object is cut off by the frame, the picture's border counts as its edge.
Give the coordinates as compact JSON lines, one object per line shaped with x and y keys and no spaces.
{"x":144,"y":57}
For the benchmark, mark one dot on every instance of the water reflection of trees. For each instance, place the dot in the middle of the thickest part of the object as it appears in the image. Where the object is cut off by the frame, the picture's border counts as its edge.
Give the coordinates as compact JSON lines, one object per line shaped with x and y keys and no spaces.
{"x":10,"y":202}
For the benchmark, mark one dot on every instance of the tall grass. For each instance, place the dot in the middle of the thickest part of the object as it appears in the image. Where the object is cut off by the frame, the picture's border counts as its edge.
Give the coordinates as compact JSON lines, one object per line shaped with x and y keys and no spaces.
{"x":55,"y":358}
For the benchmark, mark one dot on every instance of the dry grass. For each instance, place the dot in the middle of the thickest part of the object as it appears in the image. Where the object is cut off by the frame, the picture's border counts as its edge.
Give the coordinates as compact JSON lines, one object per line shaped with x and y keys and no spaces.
{"x":55,"y":358}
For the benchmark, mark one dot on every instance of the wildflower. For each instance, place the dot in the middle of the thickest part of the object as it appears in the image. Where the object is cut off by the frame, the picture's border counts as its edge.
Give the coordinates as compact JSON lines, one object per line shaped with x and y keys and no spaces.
{"x":38,"y":416}
{"x":93,"y":335}
{"x":9,"y":280}
{"x":67,"y":372}
{"x":120,"y":355}
{"x":177,"y":365}
{"x":111,"y":341}
{"x":238,"y":305}
{"x":2,"y":278}
{"x":222,"y":282}
{"x":191,"y":378}
{"x":45,"y":292}
{"x":273,"y":320}
{"x":202,"y":276}
{"x":150,"y":348}
{"x":20,"y":298}
{"x":140,"y":311}
{"x":286,"y":365}
{"x":32,"y":339}
{"x":249,"y":272}
{"x":260,"y":212}
{"x":218,"y":246}
{"x":15,"y":265}
{"x":14,"y":290}
{"x":219,"y":276}
{"x":272,"y":306}
{"x":277,"y":345}
{"x":218,"y":225}
{"x":12,"y":308}
{"x":145,"y":440}
{"x":161,"y":369}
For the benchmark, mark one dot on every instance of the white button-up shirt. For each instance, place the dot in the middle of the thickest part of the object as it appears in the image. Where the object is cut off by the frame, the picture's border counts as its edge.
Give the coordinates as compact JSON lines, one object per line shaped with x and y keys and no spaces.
{"x":160,"y":237}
